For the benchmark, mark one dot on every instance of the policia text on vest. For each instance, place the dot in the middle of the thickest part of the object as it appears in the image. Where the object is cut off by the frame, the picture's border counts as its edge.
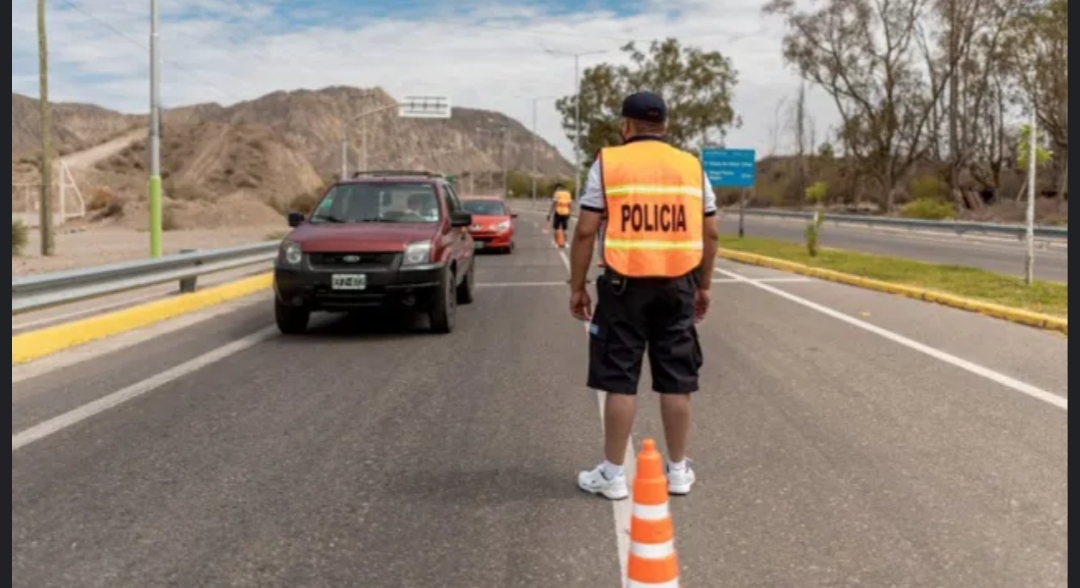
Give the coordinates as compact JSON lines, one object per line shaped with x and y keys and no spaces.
{"x":647,"y":218}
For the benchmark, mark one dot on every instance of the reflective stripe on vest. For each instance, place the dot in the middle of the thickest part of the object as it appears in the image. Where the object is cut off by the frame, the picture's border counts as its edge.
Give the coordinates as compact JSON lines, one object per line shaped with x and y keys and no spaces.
{"x":562,"y":203}
{"x":654,"y":198}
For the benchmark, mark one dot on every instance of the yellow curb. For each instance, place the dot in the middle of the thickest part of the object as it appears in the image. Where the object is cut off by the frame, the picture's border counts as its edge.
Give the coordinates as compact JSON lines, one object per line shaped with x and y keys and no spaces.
{"x":1016,"y":315}
{"x":36,"y":344}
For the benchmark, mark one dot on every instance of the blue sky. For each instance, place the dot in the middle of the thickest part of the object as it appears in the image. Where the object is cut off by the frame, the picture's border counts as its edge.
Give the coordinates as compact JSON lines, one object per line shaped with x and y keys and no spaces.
{"x":484,"y":54}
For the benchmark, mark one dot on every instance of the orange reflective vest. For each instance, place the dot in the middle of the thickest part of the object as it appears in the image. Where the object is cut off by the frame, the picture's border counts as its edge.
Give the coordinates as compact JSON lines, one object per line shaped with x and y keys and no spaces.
{"x":562,"y":203}
{"x":654,"y":196}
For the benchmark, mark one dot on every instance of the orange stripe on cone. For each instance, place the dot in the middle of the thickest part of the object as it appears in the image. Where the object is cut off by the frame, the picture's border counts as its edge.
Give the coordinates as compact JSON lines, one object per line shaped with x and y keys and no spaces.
{"x":652,"y":562}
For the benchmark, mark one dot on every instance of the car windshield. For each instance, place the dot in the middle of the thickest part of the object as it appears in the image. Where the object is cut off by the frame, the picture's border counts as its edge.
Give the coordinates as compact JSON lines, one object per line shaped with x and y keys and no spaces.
{"x":484,"y":207}
{"x":379,"y":202}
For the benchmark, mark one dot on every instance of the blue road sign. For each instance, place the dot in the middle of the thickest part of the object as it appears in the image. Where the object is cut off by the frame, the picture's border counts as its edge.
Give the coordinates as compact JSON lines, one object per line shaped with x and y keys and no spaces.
{"x":729,"y":168}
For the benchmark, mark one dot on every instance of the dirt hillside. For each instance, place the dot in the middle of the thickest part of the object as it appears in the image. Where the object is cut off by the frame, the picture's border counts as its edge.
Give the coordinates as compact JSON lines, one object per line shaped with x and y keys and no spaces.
{"x":75,"y":126}
{"x":246,"y":163}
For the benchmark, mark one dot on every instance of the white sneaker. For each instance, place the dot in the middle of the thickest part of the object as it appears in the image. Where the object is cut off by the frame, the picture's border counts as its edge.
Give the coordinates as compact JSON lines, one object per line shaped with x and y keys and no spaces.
{"x":594,"y":482}
{"x":680,"y":481}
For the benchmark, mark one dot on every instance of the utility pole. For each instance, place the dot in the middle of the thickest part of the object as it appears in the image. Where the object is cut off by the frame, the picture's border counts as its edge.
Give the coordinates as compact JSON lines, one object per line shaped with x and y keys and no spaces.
{"x":1029,"y":261}
{"x":506,"y":172}
{"x":155,"y":134}
{"x":577,"y":111}
{"x":535,"y":144}
{"x":48,"y":247}
{"x":535,"y":140}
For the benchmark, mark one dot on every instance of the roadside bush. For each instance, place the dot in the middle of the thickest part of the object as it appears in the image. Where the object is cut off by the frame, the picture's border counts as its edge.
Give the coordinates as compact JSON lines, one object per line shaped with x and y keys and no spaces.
{"x":105,"y":203}
{"x":928,"y":209}
{"x":815,"y":193}
{"x":303,"y":203}
{"x":19,"y":237}
{"x":927,"y":188}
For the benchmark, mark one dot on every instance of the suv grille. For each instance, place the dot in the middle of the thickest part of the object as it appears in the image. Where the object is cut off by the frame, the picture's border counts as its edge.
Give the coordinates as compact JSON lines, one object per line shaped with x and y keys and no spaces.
{"x":352,"y":260}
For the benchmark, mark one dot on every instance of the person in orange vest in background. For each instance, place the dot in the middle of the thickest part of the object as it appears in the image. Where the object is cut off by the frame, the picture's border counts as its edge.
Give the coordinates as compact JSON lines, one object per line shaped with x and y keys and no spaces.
{"x":659,"y":246}
{"x":560,"y":209}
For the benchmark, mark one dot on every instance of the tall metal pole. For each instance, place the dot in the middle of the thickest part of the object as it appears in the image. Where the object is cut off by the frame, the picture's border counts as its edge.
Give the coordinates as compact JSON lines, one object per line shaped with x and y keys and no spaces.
{"x":344,"y":150}
{"x":1029,"y":262}
{"x":506,"y":172}
{"x":155,"y":135}
{"x":577,"y":125}
{"x":534,"y":142}
{"x":46,"y":219}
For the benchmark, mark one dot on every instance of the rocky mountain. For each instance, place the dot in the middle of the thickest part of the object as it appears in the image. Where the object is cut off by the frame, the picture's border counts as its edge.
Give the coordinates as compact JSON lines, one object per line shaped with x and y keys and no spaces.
{"x":277,"y":148}
{"x":74,"y":126}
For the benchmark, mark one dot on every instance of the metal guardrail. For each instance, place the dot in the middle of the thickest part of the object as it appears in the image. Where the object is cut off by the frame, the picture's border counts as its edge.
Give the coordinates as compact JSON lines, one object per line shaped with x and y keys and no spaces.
{"x":53,"y":289}
{"x":958,"y":227}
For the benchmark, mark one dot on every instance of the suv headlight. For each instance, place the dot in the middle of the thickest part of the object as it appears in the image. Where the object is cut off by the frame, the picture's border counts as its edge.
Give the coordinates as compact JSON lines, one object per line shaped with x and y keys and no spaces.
{"x":417,"y":253}
{"x":503,"y":226}
{"x":290,"y":253}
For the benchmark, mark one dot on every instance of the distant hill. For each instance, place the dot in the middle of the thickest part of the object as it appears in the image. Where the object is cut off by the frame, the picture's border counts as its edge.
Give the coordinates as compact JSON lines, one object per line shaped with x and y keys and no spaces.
{"x":269,"y":151}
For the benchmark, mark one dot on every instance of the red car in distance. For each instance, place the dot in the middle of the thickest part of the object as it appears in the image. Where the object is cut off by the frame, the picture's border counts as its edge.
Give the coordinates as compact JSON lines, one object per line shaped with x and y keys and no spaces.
{"x":492,"y":227}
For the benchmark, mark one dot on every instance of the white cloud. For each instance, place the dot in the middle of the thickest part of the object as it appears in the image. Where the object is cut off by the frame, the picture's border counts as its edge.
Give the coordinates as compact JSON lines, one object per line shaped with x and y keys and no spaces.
{"x":231,"y":50}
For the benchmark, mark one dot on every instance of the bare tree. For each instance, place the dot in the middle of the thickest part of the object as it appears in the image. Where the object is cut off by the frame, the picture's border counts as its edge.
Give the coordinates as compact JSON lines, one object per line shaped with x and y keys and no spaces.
{"x":1039,"y":48}
{"x":863,"y":53}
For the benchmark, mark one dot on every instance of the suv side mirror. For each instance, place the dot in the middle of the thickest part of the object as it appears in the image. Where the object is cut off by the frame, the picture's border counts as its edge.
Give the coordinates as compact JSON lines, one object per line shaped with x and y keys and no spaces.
{"x":513,"y":215}
{"x":460,"y":219}
{"x":296,"y":219}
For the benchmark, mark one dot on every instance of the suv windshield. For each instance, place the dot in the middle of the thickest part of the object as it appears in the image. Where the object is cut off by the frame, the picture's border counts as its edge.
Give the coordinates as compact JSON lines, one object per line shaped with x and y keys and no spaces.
{"x":484,"y":207}
{"x":379,"y":202}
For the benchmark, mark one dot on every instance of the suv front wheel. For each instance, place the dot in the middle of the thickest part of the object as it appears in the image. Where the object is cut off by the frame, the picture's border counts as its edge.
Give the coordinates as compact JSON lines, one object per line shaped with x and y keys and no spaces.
{"x":465,"y":293}
{"x":290,"y":320}
{"x":443,"y":313}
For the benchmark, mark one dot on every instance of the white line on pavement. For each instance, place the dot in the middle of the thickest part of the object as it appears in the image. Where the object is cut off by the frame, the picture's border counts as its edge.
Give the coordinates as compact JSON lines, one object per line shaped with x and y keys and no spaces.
{"x":621,"y":509}
{"x":999,"y":378}
{"x":72,"y":417}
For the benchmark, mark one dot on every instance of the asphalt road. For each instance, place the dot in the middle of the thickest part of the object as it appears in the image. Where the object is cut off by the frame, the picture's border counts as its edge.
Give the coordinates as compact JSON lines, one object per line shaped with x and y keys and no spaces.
{"x":998,"y":255}
{"x":843,"y":438}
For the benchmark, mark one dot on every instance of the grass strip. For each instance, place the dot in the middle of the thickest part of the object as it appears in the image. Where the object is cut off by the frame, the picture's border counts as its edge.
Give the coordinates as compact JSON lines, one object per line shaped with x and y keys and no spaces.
{"x":1050,"y":298}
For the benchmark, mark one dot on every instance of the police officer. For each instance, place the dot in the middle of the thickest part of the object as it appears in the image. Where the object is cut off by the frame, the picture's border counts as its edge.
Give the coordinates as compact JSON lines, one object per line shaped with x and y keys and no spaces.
{"x":560,"y":208}
{"x":659,"y":243}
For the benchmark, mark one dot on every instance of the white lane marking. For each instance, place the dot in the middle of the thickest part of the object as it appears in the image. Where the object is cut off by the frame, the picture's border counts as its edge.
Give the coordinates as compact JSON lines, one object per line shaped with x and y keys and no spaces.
{"x":72,"y":417}
{"x":974,"y":368}
{"x":621,"y":509}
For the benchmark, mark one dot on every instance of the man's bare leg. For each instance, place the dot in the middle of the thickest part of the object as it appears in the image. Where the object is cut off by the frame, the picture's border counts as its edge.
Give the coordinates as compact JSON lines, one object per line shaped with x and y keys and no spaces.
{"x":618,"y":422}
{"x":675,"y":412}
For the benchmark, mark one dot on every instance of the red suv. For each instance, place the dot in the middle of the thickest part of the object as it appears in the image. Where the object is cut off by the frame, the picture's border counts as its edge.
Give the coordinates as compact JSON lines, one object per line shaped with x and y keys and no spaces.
{"x":380,"y":239}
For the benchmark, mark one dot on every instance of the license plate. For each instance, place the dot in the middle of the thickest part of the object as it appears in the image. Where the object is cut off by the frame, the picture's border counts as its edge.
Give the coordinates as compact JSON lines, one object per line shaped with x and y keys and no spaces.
{"x":348,"y":281}
{"x":479,"y":245}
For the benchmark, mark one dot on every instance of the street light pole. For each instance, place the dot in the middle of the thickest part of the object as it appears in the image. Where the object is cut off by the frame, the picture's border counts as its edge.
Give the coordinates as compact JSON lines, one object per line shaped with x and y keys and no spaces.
{"x":345,"y":137}
{"x":577,"y":126}
{"x":535,"y":140}
{"x":1029,"y":228}
{"x":536,"y":143}
{"x":45,"y":205}
{"x":155,"y":135}
{"x":577,"y":110}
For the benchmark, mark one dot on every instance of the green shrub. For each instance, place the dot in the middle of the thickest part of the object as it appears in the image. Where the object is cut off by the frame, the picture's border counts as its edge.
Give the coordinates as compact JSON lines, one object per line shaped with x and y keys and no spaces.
{"x":815,"y":193}
{"x":927,"y":188}
{"x":813,"y":230}
{"x":18,"y":237}
{"x":928,"y":209}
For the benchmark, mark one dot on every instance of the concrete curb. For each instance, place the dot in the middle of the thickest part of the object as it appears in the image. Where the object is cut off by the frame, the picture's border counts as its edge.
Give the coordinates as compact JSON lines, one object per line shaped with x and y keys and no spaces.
{"x":1025,"y":317}
{"x":33,"y":345}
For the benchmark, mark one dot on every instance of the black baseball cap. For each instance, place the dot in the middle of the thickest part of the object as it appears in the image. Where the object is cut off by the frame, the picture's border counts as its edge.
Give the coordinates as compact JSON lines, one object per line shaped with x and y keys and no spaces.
{"x":645,"y":106}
